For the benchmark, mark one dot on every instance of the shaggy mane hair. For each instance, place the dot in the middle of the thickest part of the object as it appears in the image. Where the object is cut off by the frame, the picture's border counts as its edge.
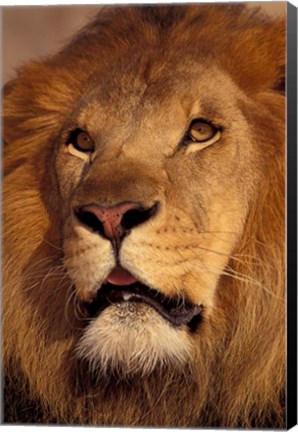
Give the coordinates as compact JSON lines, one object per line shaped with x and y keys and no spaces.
{"x":239,"y":377}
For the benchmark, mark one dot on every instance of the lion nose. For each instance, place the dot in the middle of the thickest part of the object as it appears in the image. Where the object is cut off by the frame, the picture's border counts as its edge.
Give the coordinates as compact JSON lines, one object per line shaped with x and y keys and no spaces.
{"x":115,"y":222}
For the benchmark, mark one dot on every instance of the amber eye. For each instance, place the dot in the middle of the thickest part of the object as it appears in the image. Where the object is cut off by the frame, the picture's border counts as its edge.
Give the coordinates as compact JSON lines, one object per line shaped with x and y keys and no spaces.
{"x":201,"y":131}
{"x":82,"y":141}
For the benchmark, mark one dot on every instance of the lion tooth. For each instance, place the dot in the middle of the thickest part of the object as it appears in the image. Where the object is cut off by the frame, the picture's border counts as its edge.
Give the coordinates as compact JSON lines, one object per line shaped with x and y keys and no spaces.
{"x":126,"y":296}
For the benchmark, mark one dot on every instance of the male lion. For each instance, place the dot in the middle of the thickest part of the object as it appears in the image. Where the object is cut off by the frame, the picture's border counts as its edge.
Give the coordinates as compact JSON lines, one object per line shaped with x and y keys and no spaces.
{"x":144,"y":223}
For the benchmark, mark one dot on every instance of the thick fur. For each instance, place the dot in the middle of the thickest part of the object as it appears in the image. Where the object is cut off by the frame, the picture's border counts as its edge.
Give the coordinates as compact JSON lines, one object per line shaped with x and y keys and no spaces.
{"x":230,"y":371}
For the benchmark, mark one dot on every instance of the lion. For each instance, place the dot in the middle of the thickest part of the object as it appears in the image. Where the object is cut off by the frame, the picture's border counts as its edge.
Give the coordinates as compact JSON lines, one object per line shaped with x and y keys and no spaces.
{"x":144,"y":223}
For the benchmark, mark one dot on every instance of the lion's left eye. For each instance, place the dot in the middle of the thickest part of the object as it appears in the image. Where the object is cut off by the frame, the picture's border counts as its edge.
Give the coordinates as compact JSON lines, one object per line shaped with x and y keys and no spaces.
{"x":201,"y":131}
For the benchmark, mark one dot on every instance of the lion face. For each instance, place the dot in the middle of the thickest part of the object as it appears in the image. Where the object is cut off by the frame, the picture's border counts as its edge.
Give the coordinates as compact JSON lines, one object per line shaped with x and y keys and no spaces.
{"x":155,"y":188}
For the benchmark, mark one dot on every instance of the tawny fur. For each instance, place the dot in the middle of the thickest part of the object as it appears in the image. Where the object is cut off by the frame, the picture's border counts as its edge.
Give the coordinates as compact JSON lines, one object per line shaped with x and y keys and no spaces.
{"x":236,"y":374}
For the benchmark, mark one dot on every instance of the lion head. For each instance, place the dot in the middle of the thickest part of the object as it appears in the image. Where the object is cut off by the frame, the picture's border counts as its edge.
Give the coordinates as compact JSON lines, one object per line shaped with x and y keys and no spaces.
{"x":144,"y":223}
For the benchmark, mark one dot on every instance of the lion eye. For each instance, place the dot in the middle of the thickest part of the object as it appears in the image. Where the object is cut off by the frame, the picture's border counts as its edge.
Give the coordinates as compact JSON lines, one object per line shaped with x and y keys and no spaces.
{"x":82,"y":141}
{"x":201,"y":131}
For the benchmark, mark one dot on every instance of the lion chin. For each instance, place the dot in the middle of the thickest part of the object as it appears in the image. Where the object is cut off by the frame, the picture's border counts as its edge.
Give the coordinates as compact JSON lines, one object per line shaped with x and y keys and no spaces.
{"x":141,"y":341}
{"x":144,"y":223}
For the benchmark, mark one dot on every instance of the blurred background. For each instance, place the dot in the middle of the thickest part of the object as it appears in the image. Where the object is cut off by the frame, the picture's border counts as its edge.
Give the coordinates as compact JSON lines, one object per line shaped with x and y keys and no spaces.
{"x":33,"y":31}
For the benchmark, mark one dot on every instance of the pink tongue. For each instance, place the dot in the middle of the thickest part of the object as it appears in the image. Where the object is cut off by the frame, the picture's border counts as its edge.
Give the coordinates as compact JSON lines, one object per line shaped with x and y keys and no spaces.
{"x":119,"y":276}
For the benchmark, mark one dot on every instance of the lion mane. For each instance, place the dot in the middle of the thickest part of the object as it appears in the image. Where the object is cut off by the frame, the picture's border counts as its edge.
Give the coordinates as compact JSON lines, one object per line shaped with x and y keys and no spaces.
{"x":235,"y":375}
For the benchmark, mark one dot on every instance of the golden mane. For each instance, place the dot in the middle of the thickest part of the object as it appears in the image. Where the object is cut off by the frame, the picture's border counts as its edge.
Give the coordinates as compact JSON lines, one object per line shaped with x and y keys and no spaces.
{"x":239,"y":378}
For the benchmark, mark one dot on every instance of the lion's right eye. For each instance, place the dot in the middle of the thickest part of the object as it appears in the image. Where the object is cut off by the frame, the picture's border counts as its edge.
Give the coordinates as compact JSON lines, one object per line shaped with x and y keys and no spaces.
{"x":81,"y":141}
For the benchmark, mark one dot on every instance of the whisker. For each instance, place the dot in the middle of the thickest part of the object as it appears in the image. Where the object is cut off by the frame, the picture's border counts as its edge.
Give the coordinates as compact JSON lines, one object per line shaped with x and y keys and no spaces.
{"x":243,"y":278}
{"x":50,"y":244}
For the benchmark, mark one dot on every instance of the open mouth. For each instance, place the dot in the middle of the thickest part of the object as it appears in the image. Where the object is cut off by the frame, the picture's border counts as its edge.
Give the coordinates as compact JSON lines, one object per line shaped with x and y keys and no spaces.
{"x":122,"y":287}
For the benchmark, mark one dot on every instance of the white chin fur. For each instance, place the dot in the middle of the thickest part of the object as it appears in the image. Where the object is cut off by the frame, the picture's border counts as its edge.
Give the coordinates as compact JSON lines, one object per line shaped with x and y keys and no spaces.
{"x":131,"y":338}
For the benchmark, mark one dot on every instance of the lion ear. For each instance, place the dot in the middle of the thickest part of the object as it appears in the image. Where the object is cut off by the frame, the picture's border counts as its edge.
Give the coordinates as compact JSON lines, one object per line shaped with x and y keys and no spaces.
{"x":280,"y":83}
{"x":258,"y":57}
{"x":7,"y":97}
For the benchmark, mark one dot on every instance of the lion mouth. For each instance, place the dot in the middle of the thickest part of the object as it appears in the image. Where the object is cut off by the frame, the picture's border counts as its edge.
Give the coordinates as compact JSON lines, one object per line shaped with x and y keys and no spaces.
{"x":177,"y":311}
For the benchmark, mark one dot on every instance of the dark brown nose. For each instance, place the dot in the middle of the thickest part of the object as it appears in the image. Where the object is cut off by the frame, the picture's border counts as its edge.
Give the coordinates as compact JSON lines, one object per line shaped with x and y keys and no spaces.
{"x":115,"y":222}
